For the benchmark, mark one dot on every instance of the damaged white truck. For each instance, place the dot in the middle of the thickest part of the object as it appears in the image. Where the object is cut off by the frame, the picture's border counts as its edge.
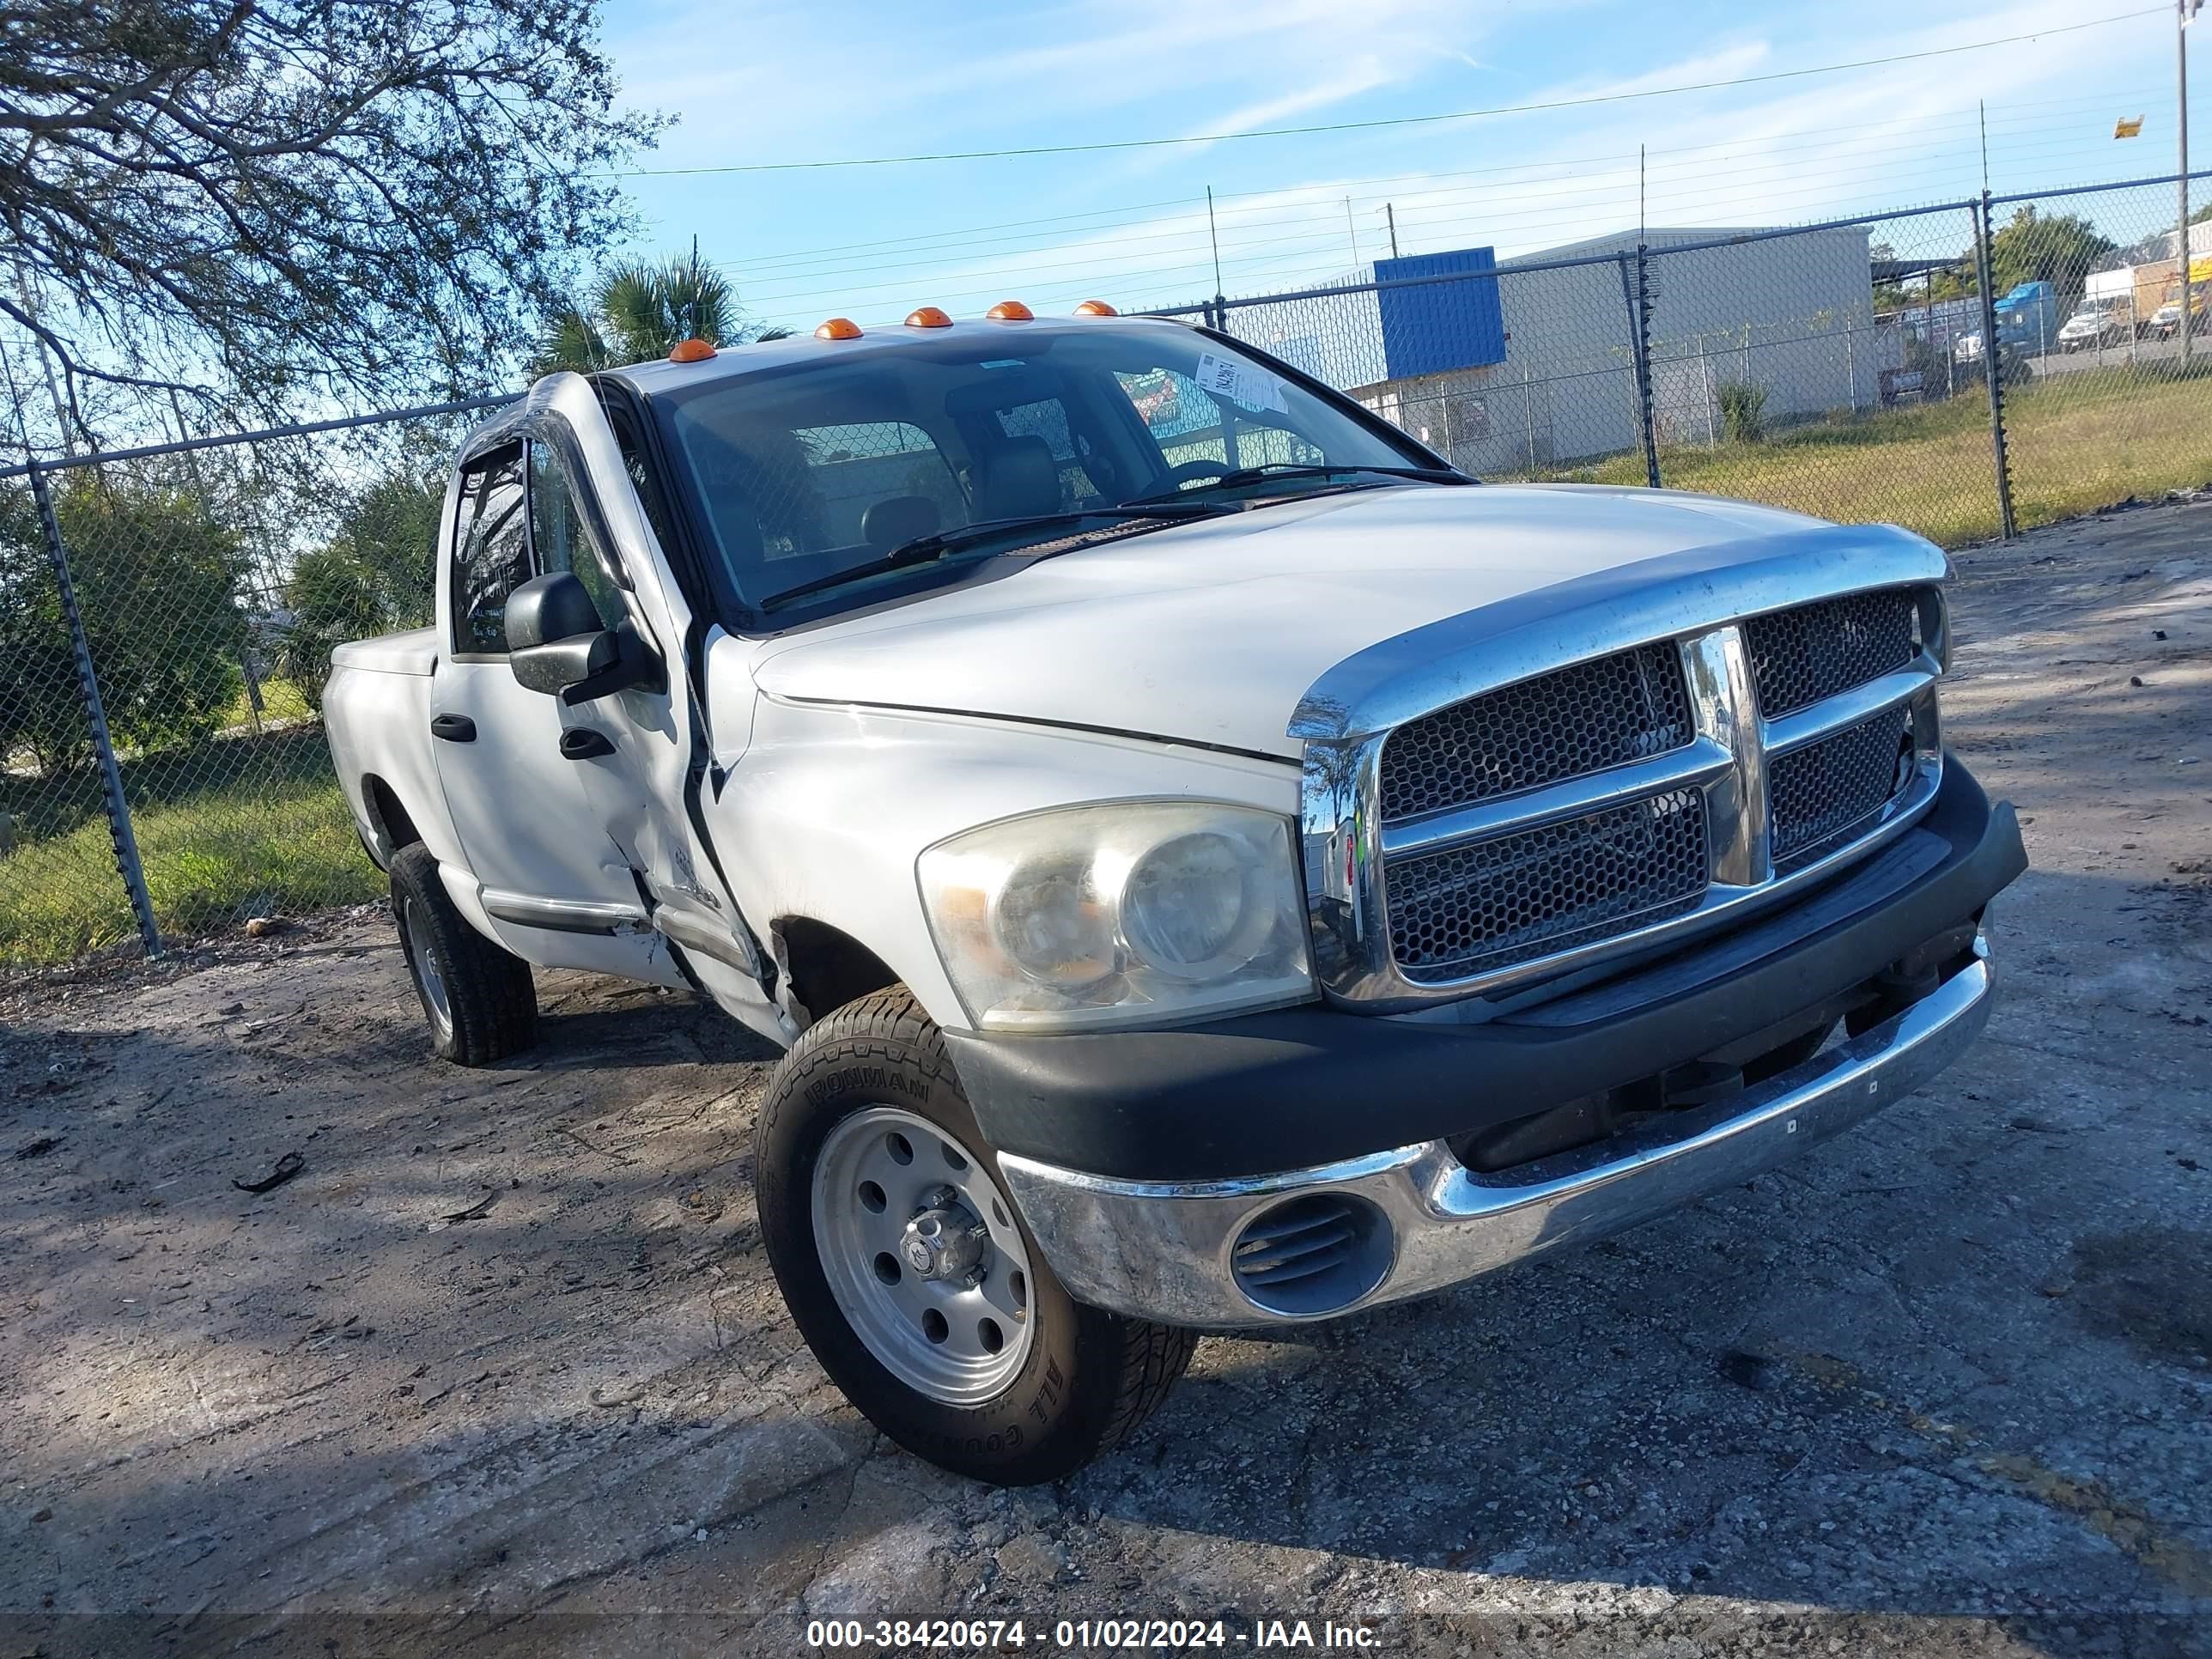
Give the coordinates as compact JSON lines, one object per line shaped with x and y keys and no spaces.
{"x":1210,"y":863}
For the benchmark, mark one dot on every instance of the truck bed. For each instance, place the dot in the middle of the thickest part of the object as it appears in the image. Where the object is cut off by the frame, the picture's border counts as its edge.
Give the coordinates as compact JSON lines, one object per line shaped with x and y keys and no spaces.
{"x":376,"y":709}
{"x":412,"y":653}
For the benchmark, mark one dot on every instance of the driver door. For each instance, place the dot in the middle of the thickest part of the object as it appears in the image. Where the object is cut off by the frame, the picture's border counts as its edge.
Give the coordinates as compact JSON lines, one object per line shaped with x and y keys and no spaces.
{"x":544,"y":874}
{"x":643,"y":751}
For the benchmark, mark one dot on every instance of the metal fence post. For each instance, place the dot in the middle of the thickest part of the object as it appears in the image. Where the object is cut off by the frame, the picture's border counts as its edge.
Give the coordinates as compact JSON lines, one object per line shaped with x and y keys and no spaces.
{"x":1992,"y":371}
{"x":120,"y":833}
{"x":1638,"y":301}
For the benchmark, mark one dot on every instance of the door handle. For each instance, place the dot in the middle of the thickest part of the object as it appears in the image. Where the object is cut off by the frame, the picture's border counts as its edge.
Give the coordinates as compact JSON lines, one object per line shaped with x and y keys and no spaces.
{"x":582,"y":743}
{"x":454,"y":728}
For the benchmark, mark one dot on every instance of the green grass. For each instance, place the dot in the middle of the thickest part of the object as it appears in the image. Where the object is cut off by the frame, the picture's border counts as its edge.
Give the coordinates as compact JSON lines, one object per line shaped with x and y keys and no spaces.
{"x":280,"y":702}
{"x":2078,"y":442}
{"x":211,"y":860}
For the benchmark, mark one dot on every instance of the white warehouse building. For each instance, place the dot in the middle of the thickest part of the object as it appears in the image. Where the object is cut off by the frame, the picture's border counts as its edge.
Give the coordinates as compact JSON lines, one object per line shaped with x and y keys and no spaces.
{"x":1508,"y":369}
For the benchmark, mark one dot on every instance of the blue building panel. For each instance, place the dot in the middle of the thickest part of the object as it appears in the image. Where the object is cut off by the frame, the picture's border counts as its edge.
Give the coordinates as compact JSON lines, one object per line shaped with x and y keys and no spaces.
{"x":1433,"y":326}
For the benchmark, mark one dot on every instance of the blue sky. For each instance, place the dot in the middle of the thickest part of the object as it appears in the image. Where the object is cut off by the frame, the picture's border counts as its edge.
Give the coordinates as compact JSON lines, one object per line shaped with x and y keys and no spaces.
{"x":790,"y":81}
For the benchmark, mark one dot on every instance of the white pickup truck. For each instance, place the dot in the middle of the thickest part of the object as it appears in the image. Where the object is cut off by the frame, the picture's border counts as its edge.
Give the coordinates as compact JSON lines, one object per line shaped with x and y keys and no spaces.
{"x":1211,"y":864}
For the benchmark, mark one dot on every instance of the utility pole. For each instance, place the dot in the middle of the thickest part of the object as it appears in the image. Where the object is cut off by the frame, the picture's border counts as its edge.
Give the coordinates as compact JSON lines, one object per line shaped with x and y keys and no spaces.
{"x":1390,"y":214}
{"x":2183,"y":12}
{"x":1352,"y":226}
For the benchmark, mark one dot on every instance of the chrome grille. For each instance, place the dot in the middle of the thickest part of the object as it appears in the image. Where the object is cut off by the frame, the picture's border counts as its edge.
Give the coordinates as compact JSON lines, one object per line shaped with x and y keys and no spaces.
{"x":1828,"y":793}
{"x":1799,"y":657}
{"x":1567,"y":724}
{"x":1527,"y":894}
{"x":1685,"y":773}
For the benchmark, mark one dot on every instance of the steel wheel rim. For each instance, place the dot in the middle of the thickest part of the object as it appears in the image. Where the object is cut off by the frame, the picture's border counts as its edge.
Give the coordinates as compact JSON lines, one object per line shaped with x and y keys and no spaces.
{"x":429,"y":983}
{"x":955,"y":1340}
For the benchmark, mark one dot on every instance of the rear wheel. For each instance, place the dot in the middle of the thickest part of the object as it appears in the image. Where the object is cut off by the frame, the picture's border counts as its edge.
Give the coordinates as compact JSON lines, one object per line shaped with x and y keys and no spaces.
{"x":910,"y":1275}
{"x":479,"y":998}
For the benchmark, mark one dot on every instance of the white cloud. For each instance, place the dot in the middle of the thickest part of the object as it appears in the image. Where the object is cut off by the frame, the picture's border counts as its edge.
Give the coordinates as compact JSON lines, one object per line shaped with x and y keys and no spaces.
{"x":1778,"y":152}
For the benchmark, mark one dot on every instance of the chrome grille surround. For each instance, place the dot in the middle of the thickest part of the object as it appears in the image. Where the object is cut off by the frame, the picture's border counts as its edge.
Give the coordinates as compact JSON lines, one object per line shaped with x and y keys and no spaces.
{"x":1702,"y":605}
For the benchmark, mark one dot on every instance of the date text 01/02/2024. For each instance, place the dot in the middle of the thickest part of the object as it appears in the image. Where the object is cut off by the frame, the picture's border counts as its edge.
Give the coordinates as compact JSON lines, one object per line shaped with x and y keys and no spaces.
{"x":1101,"y":1635}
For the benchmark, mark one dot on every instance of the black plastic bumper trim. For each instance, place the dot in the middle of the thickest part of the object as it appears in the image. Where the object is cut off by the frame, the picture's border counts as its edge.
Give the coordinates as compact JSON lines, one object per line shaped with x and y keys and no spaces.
{"x":1296,"y":1087}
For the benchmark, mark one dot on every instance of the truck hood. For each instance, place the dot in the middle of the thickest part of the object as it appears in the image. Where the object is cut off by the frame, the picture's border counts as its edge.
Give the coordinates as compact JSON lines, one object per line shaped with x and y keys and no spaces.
{"x":1211,"y":632}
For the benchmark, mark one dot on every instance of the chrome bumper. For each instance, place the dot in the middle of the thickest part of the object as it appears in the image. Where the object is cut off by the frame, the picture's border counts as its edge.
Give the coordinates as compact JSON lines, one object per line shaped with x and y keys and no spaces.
{"x":1162,"y":1250}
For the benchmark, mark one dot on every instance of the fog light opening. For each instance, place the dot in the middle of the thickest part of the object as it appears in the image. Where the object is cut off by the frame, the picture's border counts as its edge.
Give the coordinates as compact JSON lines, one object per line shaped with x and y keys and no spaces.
{"x":1312,"y":1256}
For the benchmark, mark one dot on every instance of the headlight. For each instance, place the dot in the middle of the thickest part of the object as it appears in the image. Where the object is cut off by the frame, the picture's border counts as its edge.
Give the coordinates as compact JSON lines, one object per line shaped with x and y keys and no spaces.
{"x":1118,"y":914}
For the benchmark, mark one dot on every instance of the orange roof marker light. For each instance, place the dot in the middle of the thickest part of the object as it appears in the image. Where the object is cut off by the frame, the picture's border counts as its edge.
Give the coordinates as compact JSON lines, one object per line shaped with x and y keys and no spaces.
{"x":927,"y":317}
{"x":693,"y":350}
{"x":1096,"y":308}
{"x":838,"y":328}
{"x":1010,"y":310}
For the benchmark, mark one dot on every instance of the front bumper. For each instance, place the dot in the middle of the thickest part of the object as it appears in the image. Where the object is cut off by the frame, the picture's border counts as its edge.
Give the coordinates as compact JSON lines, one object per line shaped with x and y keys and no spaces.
{"x":1139,"y":1158}
{"x":1162,"y":1250}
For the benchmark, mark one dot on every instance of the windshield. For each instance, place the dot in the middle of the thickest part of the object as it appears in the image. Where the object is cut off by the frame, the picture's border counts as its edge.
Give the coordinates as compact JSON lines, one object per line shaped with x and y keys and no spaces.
{"x":799,"y":473}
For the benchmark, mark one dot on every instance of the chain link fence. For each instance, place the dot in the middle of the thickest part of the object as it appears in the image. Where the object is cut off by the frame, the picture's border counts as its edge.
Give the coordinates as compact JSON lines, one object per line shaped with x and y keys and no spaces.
{"x":1962,"y":368}
{"x":1842,"y":370}
{"x":169,"y":616}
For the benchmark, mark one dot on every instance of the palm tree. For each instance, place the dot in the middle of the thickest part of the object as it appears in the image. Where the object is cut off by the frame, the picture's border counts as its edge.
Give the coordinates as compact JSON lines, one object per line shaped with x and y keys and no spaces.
{"x":638,"y":310}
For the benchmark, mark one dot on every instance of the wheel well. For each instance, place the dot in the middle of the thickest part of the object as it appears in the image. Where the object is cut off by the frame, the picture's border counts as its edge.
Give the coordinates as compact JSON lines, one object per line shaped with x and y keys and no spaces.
{"x":386,"y":817}
{"x":827,"y":967}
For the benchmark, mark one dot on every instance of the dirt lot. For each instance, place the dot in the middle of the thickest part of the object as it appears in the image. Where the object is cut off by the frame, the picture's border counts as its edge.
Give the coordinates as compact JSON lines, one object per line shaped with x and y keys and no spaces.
{"x":503,"y":1370}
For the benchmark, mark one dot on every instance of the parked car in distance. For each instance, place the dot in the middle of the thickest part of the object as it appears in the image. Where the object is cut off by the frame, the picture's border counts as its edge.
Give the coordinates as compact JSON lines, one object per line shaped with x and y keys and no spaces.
{"x":1209,"y":864}
{"x":2166,"y":321}
{"x":2092,"y":326}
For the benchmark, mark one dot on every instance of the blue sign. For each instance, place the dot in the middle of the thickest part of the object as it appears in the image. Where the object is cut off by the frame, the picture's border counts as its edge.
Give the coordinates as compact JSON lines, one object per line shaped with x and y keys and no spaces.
{"x":1431,"y":326}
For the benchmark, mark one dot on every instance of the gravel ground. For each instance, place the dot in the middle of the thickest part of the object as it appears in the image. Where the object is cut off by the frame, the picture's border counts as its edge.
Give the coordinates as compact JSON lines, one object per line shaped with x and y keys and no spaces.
{"x":503,"y":1370}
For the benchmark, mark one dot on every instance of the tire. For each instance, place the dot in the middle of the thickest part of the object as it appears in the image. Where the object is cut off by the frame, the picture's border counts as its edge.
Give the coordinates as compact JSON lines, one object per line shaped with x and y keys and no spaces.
{"x":1067,"y":1382}
{"x":477,"y":999}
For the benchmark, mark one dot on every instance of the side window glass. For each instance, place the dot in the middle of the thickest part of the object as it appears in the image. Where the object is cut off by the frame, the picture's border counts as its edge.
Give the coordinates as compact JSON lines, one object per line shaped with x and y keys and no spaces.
{"x":558,"y":536}
{"x":491,"y":552}
{"x":641,"y":478}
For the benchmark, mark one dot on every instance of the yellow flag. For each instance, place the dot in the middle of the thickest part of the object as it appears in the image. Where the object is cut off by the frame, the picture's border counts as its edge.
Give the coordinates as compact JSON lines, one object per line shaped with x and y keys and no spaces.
{"x":2128,"y":127}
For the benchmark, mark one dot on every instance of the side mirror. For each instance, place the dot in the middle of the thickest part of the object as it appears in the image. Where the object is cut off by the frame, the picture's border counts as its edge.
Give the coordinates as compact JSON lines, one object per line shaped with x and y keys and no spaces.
{"x":557,"y":644}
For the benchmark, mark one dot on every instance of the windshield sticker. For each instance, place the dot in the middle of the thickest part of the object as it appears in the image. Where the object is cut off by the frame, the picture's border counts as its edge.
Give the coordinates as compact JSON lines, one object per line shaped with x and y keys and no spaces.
{"x":1240,"y":383}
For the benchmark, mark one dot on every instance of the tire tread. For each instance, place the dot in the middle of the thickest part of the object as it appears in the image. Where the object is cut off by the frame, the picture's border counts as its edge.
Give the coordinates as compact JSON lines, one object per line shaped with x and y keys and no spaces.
{"x":494,"y":998}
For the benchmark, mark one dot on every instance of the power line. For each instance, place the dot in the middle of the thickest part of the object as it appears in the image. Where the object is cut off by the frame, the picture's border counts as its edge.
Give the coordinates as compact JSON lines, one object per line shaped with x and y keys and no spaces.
{"x":2035,"y":115}
{"x":1388,"y":121}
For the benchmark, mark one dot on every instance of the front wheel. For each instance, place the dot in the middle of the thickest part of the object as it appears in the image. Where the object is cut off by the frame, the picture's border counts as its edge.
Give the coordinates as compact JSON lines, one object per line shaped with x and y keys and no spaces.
{"x":912,"y":1278}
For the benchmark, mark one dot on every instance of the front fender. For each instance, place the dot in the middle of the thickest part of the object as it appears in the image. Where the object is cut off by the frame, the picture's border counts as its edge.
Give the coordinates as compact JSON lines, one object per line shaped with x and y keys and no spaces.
{"x":832,"y":804}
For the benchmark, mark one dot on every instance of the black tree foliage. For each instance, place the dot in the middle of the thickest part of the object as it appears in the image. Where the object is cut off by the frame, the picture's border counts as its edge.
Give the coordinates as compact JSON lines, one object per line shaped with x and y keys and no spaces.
{"x":252,"y":202}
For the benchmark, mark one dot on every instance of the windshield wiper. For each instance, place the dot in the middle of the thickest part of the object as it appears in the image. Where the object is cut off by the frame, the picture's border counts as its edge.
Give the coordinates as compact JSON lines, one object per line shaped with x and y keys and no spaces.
{"x":928,"y":549}
{"x":1270,"y":470}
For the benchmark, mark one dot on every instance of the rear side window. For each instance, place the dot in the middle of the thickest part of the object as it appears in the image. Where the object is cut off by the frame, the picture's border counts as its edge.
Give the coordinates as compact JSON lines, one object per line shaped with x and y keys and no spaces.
{"x":491,"y":551}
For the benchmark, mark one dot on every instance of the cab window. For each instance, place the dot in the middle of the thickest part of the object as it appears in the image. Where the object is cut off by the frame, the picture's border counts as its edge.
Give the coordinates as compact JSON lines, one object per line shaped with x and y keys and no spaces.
{"x":491,"y":551}
{"x":560,"y":540}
